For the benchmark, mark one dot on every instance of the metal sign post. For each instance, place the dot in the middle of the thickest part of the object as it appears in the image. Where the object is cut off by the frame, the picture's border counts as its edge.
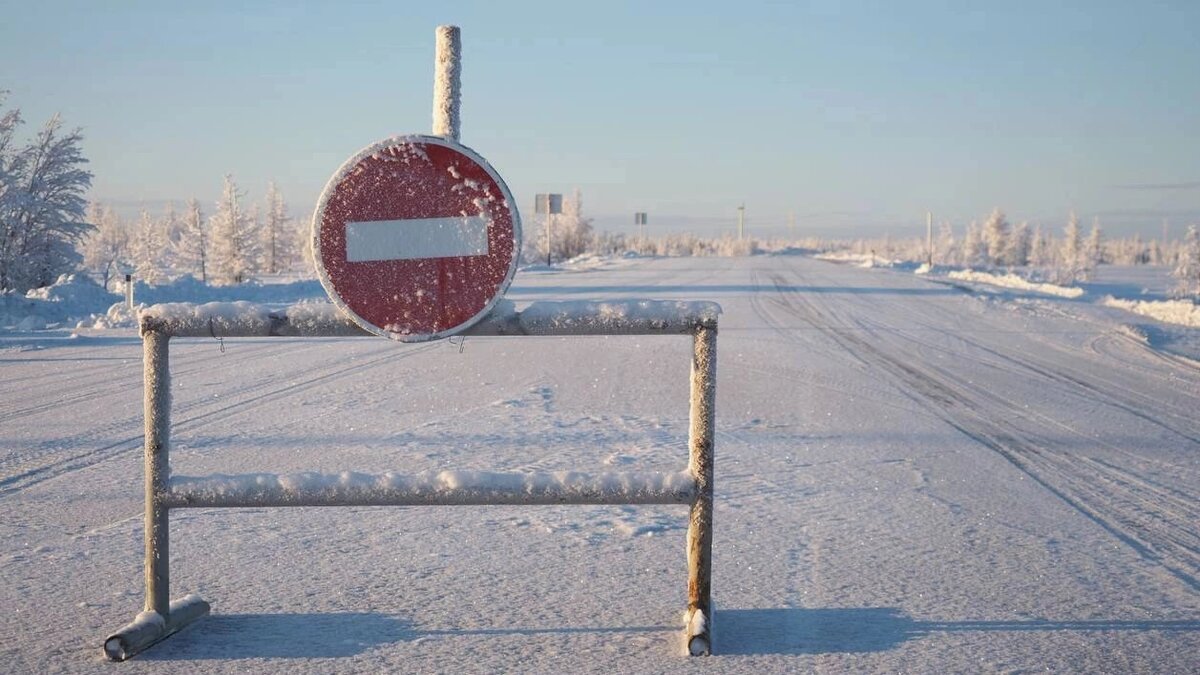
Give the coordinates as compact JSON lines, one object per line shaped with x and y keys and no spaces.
{"x":551,"y":205}
{"x":639,"y":219}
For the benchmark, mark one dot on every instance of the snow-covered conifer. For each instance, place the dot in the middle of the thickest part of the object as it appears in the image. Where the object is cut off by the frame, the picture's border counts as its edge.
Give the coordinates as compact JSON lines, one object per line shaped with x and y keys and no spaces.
{"x":1187,"y":269}
{"x":1070,"y":256}
{"x":1017,"y":252}
{"x":106,"y":247}
{"x":1093,"y":251}
{"x":947,"y":249}
{"x":190,"y":250}
{"x":278,"y":244}
{"x":974,"y":248}
{"x":234,"y":250}
{"x":1040,"y":255}
{"x":996,"y":232}
{"x":147,"y":252}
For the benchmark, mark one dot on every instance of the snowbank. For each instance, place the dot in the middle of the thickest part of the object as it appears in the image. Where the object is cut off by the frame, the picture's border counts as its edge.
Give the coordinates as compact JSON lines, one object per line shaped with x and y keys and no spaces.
{"x":71,"y":297}
{"x":860,"y":259}
{"x":1181,"y":312}
{"x":1014,"y":281}
{"x":76,"y":299}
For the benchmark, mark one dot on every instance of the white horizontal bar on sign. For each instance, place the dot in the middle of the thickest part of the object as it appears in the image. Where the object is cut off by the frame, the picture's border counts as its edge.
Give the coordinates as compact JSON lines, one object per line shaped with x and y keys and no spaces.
{"x":416,"y":238}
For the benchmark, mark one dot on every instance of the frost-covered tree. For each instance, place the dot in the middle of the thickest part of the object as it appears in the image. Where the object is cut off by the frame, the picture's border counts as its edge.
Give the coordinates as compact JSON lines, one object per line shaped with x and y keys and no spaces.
{"x":42,"y":187}
{"x":278,"y":243}
{"x":1040,"y":254}
{"x":302,"y":240}
{"x":1154,"y":253}
{"x":172,"y":228}
{"x":234,"y":246}
{"x":148,"y":249}
{"x":575,"y":230}
{"x":1017,"y":251}
{"x":570,"y":232}
{"x":1093,"y":251}
{"x":190,"y":250}
{"x":974,"y":248}
{"x":106,"y":248}
{"x":996,"y":232}
{"x":1187,"y":268}
{"x":1070,"y":255}
{"x":947,"y":253}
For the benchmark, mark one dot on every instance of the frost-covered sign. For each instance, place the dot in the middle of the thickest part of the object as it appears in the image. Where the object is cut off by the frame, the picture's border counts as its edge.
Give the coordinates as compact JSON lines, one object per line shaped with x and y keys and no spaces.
{"x":416,"y":238}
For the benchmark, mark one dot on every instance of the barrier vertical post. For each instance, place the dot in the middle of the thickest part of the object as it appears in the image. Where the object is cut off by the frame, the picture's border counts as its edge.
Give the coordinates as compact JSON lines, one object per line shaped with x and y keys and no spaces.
{"x":158,"y":425}
{"x":700,"y":464}
{"x":447,"y":71}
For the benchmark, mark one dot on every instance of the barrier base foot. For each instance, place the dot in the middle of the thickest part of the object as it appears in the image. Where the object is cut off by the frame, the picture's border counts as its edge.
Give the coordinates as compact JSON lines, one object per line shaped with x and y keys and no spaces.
{"x":698,"y":633}
{"x":149,"y":628}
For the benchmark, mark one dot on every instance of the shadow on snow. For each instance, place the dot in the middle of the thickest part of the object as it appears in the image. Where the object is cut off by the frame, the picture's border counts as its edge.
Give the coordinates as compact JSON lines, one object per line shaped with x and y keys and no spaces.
{"x":875,"y":629}
{"x":779,"y":631}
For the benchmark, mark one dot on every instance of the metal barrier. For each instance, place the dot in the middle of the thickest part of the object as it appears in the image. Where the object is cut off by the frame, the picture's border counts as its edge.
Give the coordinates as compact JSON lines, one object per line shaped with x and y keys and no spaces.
{"x":159,"y":324}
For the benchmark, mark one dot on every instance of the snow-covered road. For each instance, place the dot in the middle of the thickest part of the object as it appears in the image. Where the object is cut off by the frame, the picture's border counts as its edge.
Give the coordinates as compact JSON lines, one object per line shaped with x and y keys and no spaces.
{"x":909,"y":478}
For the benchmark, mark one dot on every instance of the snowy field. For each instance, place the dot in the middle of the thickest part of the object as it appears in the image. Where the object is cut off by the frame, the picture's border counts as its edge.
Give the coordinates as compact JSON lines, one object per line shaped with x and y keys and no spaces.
{"x":911,"y":475}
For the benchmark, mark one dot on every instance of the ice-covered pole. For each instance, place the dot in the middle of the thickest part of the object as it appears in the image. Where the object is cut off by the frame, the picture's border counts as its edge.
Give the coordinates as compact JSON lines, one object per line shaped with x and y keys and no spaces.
{"x":700,"y":464}
{"x":158,"y":425}
{"x":447,"y":91}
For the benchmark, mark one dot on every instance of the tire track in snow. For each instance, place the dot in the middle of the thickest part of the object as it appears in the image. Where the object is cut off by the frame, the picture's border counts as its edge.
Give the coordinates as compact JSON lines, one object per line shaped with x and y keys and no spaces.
{"x":1101,"y":389}
{"x":1183,"y":368}
{"x":49,"y":463}
{"x":101,"y":382}
{"x":1154,"y":521}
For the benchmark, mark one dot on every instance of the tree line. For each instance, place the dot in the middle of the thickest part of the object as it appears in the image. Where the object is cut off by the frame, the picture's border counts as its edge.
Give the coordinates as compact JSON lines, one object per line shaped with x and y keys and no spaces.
{"x":1066,"y":258}
{"x":237,"y":242}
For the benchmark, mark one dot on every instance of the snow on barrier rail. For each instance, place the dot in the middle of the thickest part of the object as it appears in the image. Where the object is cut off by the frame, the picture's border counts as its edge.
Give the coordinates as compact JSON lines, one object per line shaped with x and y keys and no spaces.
{"x":160,"y":323}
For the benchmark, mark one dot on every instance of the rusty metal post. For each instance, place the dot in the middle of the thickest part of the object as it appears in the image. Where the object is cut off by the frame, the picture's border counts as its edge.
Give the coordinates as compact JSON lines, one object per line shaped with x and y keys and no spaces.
{"x":157,"y":397}
{"x":700,"y":463}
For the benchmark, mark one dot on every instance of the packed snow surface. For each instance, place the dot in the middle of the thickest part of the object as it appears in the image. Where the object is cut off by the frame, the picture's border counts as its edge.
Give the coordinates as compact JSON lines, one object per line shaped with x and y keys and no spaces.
{"x":909,"y":477}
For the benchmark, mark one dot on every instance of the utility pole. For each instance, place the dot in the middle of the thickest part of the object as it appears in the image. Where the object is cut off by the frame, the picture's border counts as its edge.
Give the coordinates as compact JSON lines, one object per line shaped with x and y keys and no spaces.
{"x":741,"y":220}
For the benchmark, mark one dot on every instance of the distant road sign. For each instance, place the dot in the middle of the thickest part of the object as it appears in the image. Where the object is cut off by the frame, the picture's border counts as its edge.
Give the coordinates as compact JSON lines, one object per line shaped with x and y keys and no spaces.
{"x":416,"y":238}
{"x":547,"y":203}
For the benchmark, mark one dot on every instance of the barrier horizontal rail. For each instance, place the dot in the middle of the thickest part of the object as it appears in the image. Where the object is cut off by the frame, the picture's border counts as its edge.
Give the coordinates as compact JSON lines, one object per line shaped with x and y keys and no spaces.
{"x":619,"y":317}
{"x":432,"y":488}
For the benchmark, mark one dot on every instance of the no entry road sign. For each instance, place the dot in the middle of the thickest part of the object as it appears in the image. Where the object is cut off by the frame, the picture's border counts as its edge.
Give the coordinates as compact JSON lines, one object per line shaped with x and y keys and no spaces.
{"x":416,"y":238}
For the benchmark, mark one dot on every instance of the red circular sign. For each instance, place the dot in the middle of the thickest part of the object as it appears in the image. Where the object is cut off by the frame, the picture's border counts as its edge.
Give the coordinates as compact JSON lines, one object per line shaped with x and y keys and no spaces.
{"x":416,"y":238}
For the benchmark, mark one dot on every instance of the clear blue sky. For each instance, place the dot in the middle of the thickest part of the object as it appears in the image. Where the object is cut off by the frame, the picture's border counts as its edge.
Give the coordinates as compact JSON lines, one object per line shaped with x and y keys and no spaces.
{"x":852,"y":115}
